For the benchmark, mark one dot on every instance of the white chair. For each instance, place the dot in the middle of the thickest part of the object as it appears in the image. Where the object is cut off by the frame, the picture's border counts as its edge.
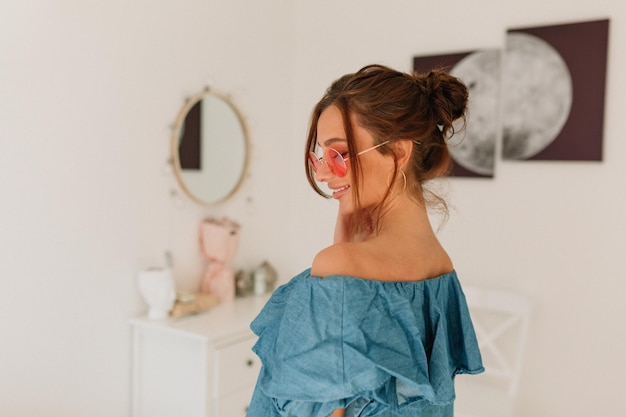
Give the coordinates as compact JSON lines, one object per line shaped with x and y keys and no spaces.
{"x":501,"y":321}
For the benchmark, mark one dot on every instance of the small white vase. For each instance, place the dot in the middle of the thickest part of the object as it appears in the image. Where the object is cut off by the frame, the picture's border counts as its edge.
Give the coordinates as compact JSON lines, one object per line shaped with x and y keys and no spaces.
{"x":157,"y":288}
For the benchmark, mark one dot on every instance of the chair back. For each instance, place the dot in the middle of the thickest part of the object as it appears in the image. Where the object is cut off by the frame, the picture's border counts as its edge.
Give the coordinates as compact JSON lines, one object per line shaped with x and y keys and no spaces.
{"x":501,"y":321}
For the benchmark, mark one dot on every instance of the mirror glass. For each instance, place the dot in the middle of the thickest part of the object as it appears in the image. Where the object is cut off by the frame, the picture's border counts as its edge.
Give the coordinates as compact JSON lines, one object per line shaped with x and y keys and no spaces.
{"x":209,"y":148}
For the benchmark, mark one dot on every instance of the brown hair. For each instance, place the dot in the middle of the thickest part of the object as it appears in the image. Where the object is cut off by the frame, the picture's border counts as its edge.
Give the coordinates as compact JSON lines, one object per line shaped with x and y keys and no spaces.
{"x":392,"y":106}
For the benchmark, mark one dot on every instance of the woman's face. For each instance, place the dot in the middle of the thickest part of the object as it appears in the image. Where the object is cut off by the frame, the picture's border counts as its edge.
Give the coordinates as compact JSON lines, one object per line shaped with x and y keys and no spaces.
{"x":375,"y":166}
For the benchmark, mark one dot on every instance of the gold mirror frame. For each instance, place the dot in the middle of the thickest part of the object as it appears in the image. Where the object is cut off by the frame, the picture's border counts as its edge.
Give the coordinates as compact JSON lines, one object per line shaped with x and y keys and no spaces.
{"x":222,"y":148}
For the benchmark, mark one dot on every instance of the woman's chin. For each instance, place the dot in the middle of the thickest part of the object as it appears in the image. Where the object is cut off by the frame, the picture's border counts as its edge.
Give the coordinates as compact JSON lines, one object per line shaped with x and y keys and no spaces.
{"x":346,"y":207}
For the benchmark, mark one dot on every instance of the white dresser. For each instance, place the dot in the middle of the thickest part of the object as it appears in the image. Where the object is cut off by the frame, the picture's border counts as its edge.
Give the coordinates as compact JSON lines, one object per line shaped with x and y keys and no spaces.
{"x":197,"y":366}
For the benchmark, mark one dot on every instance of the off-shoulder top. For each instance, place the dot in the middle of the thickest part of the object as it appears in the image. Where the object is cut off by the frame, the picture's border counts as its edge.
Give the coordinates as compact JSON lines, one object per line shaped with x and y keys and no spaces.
{"x":376,"y":348}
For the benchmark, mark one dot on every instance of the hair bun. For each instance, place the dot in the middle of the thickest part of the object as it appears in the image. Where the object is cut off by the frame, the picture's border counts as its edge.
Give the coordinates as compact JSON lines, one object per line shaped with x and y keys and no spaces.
{"x":447,"y":94}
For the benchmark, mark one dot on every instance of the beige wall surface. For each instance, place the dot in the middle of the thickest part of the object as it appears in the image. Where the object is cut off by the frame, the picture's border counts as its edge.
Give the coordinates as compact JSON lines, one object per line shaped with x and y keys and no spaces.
{"x":89,"y":92}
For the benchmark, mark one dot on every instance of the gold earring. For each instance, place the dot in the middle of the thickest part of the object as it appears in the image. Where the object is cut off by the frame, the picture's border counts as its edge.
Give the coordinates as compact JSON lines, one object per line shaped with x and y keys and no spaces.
{"x":404,"y":180}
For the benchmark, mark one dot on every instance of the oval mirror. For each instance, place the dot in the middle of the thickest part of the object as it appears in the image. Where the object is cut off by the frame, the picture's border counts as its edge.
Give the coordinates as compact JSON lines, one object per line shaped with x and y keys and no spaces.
{"x":209,"y":148}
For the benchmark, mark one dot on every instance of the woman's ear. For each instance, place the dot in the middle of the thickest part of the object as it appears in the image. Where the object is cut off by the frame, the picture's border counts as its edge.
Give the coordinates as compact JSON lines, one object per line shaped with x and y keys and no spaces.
{"x":403,"y":150}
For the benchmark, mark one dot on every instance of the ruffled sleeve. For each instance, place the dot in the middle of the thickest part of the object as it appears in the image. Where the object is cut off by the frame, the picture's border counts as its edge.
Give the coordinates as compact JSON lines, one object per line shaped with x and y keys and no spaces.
{"x":345,"y":342}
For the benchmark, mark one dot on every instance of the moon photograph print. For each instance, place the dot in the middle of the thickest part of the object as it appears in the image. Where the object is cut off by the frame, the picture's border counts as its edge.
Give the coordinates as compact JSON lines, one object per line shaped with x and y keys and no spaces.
{"x":538,"y":96}
{"x":554,"y":83}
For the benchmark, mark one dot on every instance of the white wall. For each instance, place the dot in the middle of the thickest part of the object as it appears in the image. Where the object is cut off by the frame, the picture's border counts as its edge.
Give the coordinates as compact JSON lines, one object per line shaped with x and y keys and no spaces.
{"x":555,"y":231}
{"x":88,"y":91}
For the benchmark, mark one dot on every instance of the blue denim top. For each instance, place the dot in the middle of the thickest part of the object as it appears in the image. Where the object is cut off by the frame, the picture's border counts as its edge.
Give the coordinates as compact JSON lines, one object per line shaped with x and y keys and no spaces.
{"x":375,"y":348}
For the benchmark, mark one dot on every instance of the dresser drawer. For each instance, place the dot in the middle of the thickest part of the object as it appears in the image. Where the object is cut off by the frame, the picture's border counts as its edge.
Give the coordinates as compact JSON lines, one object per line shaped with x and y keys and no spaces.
{"x":235,"y":404}
{"x":237,"y":367}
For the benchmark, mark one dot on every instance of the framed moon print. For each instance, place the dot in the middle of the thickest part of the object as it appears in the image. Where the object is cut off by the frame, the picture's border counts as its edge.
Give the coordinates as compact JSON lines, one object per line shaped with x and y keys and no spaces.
{"x":554,"y":83}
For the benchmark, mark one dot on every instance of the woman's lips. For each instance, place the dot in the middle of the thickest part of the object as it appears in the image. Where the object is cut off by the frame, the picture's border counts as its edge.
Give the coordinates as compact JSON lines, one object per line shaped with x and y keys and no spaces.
{"x":338,"y":192}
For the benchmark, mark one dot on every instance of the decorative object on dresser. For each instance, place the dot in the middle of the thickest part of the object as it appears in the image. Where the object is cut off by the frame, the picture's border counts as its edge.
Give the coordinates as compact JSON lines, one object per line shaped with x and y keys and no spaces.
{"x":157,"y":289}
{"x":192,"y":303}
{"x":264,"y":278}
{"x":244,"y":284}
{"x":219,"y":240}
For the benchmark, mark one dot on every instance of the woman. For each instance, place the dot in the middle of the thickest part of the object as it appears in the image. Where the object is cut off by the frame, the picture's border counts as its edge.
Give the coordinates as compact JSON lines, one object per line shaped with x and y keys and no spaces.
{"x":378,"y":325}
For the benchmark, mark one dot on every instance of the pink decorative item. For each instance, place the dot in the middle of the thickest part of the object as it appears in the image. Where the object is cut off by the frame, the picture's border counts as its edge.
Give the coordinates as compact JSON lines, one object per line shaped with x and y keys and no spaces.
{"x":219,"y":240}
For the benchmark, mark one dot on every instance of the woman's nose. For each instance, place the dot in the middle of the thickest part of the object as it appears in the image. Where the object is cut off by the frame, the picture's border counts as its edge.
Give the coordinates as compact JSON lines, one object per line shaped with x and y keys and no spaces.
{"x":323,"y":173}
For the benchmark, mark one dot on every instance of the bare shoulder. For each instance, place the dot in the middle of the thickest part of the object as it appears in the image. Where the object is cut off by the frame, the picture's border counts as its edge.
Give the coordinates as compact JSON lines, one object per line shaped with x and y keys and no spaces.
{"x":338,"y":259}
{"x":374,"y":261}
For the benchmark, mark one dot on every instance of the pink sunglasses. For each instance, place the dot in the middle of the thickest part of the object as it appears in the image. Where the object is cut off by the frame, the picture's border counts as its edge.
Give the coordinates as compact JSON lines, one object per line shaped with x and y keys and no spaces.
{"x":335,"y":162}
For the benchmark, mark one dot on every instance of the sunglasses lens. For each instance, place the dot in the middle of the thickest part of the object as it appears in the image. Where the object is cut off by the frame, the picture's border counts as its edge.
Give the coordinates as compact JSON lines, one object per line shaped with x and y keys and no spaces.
{"x":314,"y":161}
{"x":335,"y":162}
